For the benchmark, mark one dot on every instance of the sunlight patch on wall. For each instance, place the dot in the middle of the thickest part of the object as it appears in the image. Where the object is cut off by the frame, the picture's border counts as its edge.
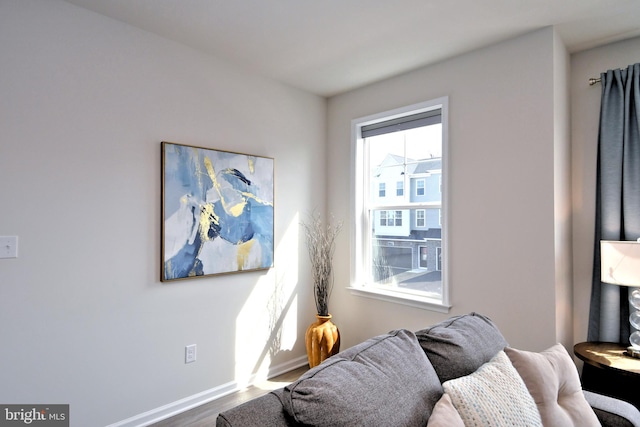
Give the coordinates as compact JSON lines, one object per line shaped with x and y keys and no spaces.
{"x":267,"y":323}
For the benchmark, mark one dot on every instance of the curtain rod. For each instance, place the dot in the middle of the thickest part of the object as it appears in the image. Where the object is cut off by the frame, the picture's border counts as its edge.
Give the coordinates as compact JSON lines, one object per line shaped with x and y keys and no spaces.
{"x":593,"y":81}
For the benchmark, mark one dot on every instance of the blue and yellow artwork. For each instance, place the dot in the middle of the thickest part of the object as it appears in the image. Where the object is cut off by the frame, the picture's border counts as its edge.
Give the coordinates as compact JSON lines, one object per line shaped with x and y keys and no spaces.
{"x":217,"y":212}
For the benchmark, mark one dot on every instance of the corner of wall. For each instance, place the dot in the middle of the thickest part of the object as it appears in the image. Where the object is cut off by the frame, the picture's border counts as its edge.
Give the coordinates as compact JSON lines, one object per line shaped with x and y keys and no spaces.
{"x":562,"y":193}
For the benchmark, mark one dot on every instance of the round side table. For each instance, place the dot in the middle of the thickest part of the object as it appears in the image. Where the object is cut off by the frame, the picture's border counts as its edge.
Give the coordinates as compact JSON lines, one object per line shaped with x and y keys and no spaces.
{"x":609,"y":371}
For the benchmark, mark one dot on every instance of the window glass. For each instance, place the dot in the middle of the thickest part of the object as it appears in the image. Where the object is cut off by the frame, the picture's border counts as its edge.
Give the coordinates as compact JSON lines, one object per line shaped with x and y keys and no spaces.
{"x":402,"y":237}
{"x":382,"y":189}
{"x":420,"y":218}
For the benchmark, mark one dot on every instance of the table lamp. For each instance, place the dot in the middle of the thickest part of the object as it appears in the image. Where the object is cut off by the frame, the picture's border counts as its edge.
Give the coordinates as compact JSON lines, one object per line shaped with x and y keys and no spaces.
{"x":620,"y":265}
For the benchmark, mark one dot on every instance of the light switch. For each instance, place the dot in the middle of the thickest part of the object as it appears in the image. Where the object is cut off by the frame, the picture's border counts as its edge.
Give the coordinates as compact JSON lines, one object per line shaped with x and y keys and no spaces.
{"x":8,"y":246}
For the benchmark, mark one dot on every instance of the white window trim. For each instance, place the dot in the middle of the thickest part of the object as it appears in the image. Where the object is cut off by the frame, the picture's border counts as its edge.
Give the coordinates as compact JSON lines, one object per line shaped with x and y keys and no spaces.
{"x":357,"y":286}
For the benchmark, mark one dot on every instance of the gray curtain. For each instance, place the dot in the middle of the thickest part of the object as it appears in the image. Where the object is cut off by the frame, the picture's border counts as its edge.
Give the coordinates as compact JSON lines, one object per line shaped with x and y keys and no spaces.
{"x":617,"y":196}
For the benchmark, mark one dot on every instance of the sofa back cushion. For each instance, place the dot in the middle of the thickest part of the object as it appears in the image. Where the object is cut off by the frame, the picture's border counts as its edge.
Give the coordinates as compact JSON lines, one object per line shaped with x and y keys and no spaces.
{"x":552,"y":379}
{"x":460,"y":345}
{"x":384,"y":381}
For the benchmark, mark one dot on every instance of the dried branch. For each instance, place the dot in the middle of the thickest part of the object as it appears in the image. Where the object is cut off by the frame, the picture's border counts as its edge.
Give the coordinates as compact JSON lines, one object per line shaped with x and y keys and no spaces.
{"x":321,"y":239}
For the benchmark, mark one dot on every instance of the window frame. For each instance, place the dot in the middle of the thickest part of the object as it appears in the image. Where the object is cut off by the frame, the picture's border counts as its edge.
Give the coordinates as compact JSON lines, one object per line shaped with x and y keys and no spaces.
{"x":397,"y":218}
{"x":383,"y":218}
{"x":422,"y":217}
{"x":358,"y":213}
{"x":421,"y":184}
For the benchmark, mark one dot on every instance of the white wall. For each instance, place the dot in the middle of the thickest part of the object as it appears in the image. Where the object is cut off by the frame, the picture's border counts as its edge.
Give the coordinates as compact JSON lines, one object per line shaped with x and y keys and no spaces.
{"x":506,"y":145}
{"x":84,"y":103}
{"x":585,"y":112}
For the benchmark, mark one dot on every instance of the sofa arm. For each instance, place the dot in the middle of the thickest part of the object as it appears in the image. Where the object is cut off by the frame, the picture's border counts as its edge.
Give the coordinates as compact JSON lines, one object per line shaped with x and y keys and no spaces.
{"x":264,"y":411}
{"x":613,"y":412}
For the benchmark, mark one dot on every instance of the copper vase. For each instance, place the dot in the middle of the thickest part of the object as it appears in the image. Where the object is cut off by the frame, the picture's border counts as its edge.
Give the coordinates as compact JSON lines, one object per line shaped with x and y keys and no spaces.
{"x":322,"y":340}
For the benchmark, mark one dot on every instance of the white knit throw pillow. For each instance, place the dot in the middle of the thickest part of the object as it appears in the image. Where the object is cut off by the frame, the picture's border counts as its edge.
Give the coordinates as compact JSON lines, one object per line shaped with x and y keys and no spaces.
{"x":495,"y":395}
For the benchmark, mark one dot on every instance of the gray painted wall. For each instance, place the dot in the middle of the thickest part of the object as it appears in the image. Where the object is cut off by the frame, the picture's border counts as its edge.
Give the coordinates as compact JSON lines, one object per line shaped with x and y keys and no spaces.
{"x":505,"y":144}
{"x":85,"y":102}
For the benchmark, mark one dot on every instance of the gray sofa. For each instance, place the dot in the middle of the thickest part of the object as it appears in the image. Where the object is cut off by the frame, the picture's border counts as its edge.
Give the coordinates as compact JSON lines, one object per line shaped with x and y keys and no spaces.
{"x":397,"y":379}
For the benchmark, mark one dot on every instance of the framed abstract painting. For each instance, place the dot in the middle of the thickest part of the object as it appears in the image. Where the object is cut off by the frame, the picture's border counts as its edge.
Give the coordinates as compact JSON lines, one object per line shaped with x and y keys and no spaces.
{"x":217,"y":212}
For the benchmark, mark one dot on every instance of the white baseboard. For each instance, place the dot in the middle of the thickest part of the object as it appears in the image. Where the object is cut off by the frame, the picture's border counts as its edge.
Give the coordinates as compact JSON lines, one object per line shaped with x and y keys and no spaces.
{"x":190,"y":402}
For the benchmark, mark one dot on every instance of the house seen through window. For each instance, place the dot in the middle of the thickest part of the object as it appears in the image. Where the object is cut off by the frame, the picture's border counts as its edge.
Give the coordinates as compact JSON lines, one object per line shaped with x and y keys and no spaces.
{"x":400,"y":237}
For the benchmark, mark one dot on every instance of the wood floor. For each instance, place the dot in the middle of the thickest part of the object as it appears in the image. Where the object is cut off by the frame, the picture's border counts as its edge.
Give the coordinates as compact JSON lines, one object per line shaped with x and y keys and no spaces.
{"x":205,"y":415}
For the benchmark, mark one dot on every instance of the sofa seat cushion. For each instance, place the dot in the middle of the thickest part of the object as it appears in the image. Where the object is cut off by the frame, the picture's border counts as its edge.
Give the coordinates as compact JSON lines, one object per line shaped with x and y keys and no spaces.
{"x":460,"y":345}
{"x":384,"y":381}
{"x":552,"y":379}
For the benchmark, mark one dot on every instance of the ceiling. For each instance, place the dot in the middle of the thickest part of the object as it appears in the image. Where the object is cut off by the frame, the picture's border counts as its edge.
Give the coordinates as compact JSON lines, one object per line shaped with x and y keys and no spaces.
{"x":331,"y":46}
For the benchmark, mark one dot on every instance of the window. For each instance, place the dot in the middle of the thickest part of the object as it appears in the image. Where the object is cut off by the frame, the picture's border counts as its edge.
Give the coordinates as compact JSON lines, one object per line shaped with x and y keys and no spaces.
{"x":420,"y":187}
{"x":390,"y":218}
{"x":401,"y":241}
{"x":382,"y":189}
{"x":383,"y":218}
{"x":398,"y":216}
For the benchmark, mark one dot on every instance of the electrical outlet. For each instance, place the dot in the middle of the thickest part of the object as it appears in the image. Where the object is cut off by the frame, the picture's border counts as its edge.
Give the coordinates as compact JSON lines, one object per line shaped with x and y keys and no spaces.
{"x":8,"y":246}
{"x":190,"y":353}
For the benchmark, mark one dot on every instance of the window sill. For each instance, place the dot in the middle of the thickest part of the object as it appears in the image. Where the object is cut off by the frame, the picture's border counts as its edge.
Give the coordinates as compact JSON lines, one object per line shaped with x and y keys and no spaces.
{"x":416,"y":301}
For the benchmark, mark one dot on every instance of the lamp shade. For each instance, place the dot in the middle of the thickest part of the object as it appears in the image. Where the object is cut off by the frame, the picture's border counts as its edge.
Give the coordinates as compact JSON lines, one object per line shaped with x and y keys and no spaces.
{"x":620,"y":263}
